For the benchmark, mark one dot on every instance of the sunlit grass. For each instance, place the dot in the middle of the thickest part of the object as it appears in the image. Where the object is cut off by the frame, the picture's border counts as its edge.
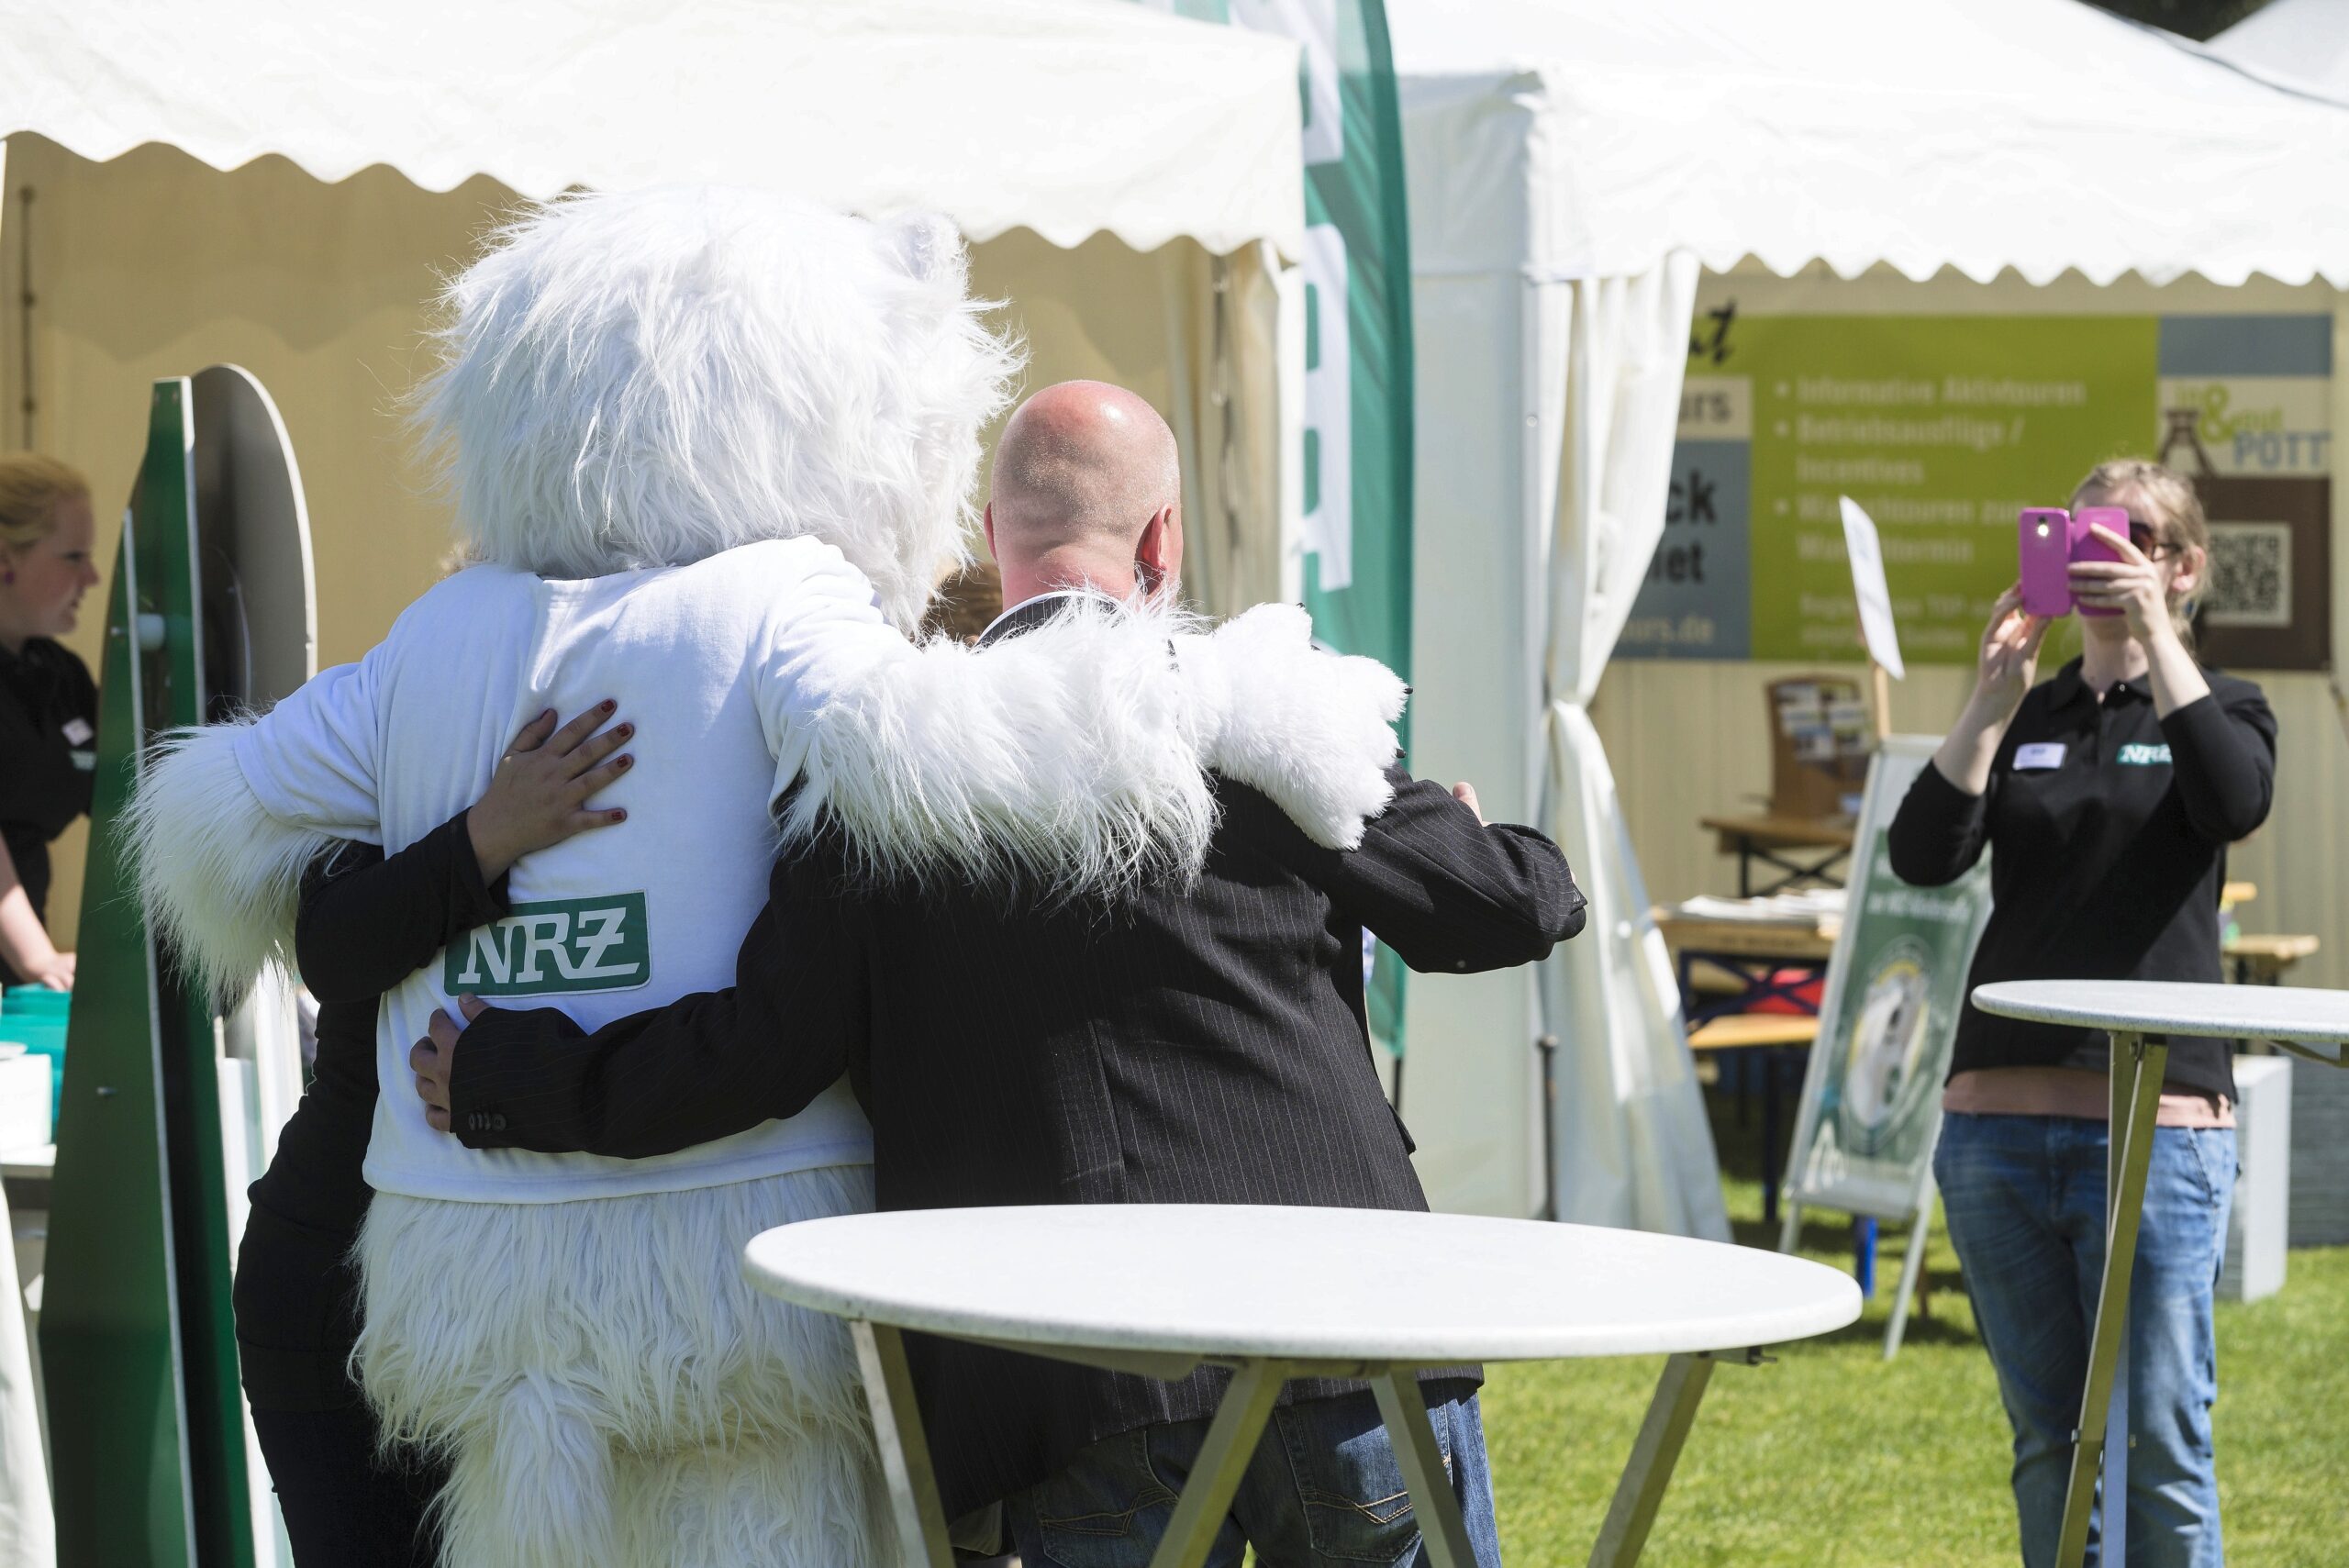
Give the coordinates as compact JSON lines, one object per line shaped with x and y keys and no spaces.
{"x":1831,"y":1457}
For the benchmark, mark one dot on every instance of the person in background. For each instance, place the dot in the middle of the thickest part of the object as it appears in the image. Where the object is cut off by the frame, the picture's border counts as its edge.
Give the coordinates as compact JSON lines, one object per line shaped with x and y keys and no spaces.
{"x":352,"y":1500}
{"x":2108,"y":796}
{"x":48,"y":704}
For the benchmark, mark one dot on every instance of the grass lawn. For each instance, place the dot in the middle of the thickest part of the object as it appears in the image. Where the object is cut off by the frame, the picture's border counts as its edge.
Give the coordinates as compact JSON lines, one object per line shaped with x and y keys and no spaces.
{"x":1831,"y":1457}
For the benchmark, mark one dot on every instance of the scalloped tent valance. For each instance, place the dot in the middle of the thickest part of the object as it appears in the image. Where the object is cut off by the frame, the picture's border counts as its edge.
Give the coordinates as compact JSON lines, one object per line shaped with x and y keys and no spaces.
{"x":1061,"y":116}
{"x":2041,"y":135}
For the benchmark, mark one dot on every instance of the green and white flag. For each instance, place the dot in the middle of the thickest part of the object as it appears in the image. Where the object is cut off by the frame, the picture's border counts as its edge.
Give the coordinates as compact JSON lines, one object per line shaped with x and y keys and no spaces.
{"x":1357,"y":268}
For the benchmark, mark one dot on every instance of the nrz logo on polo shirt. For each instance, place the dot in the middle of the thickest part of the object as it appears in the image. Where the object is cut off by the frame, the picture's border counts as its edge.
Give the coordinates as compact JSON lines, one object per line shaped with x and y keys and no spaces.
{"x":2139,"y":754}
{"x":562,"y":946}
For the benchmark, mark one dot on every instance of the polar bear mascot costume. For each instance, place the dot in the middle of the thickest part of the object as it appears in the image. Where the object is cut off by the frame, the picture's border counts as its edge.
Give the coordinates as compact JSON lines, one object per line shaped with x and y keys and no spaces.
{"x":710,"y":451}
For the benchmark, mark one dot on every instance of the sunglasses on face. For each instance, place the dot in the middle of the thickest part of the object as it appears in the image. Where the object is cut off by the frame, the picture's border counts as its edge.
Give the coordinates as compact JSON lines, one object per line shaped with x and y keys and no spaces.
{"x":2148,"y":539}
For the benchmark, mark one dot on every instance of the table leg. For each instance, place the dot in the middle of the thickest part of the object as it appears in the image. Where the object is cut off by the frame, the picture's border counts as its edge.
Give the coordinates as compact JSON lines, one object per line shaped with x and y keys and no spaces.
{"x":1440,"y":1526}
{"x":1772,"y":1065}
{"x":1657,"y":1448}
{"x":1223,"y":1459}
{"x":904,"y":1450}
{"x":2136,"y":1100}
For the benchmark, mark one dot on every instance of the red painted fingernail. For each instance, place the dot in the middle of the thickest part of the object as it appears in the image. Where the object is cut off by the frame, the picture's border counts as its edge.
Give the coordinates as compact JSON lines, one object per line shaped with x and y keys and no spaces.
{"x":620,"y":815}
{"x":608,"y":705}
{"x":626,"y":730}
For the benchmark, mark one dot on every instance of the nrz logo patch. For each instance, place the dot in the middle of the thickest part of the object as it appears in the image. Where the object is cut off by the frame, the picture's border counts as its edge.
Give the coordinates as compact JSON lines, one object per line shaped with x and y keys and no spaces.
{"x":2138,"y":754}
{"x":562,"y":946}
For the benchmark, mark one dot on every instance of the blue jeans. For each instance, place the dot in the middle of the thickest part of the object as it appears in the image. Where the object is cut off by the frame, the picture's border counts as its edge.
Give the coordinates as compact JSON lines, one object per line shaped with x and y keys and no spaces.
{"x":1324,"y":1488}
{"x":2026,"y":1206}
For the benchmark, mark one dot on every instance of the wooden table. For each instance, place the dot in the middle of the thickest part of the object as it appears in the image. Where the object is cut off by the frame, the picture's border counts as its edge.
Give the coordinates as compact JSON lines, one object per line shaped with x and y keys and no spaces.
{"x":1769,"y":839}
{"x":2261,"y":960}
{"x":2143,"y":1015}
{"x":1758,"y":953}
{"x":1279,"y":1293}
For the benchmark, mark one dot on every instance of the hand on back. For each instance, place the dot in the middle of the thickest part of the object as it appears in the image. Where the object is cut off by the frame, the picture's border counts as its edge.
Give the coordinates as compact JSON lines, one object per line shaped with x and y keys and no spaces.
{"x":538,"y":795}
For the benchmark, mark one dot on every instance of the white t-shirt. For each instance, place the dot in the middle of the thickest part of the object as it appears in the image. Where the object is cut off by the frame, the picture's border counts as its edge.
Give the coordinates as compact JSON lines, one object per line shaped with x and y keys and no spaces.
{"x":708,"y":662}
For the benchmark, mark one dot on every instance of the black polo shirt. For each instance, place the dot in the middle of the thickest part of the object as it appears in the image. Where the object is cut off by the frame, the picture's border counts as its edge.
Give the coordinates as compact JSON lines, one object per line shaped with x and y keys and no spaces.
{"x":2108,"y":830}
{"x":48,"y":717}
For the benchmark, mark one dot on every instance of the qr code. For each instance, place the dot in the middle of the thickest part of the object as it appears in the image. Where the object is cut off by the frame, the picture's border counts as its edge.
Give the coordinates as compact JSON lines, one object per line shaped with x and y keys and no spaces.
{"x":2251,"y":575}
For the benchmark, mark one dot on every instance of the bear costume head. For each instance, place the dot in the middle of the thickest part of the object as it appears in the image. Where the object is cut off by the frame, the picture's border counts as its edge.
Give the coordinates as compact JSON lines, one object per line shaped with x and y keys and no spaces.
{"x":648,"y":378}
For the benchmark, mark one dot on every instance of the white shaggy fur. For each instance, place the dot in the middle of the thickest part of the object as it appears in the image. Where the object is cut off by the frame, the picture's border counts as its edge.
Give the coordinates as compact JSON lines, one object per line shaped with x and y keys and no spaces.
{"x":648,"y":378}
{"x":220,"y":878}
{"x":1067,"y":759}
{"x":1313,"y":730}
{"x":611,"y":1393}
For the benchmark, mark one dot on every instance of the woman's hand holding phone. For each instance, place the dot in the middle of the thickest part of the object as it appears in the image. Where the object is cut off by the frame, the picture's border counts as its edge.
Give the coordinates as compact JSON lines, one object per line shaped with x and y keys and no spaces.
{"x":2008,"y":661}
{"x":2129,"y":583}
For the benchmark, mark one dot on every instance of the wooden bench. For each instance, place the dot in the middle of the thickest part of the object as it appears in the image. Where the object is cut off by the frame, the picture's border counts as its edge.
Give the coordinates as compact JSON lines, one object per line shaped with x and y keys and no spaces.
{"x":1745,"y":1031}
{"x":2261,"y":960}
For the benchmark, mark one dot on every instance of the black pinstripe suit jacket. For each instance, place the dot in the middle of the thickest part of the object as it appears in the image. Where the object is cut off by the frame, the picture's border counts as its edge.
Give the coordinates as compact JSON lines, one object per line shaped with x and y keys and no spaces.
{"x":1202,"y":1045}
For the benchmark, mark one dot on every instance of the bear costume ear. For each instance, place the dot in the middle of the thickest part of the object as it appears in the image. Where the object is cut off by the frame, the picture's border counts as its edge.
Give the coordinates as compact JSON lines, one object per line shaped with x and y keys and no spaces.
{"x":928,"y":247}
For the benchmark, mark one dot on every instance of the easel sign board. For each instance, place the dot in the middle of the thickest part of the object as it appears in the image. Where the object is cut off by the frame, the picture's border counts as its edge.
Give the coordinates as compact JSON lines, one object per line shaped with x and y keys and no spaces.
{"x":1871,"y":1098}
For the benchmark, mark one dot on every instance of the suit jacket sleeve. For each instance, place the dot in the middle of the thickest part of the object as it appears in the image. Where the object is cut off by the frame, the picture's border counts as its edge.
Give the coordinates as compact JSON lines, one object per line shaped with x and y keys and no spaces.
{"x":367,"y":923}
{"x":1445,"y":891}
{"x":703,"y":1067}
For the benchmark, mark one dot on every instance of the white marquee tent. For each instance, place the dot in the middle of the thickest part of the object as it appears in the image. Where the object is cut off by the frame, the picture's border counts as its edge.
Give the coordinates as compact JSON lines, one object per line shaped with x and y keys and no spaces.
{"x":279,"y":185}
{"x":1575,"y":167}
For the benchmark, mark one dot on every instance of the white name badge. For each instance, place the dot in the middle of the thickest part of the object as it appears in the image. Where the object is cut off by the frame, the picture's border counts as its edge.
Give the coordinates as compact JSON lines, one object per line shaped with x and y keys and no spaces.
{"x":78,"y":732}
{"x":2039,"y":754}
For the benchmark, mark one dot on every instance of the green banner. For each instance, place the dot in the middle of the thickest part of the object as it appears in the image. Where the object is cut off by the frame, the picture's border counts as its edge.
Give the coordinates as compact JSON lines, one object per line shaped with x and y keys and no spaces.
{"x":1943,"y":427}
{"x":1357,"y":266}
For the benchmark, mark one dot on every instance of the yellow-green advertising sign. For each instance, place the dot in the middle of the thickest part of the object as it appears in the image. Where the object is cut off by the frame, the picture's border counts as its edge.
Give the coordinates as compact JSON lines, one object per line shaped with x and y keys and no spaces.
{"x":1943,"y":427}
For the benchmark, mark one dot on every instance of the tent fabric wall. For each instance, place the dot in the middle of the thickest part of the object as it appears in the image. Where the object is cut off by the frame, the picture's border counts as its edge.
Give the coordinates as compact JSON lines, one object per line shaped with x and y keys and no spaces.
{"x":154,"y":264}
{"x":1547,"y":399}
{"x":1631,"y":1141}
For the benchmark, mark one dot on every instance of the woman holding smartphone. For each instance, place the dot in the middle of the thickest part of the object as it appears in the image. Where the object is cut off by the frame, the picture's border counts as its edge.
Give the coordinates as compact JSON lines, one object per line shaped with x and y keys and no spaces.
{"x":2108,"y":795}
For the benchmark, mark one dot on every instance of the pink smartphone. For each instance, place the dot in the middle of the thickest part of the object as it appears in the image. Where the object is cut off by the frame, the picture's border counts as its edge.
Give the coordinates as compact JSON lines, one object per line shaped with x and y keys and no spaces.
{"x":2045,"y":548}
{"x":2085,"y":545}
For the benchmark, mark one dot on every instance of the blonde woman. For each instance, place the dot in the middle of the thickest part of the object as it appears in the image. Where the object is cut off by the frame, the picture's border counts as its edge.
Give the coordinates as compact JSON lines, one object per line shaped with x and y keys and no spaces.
{"x":2108,"y":796}
{"x":48,"y":704}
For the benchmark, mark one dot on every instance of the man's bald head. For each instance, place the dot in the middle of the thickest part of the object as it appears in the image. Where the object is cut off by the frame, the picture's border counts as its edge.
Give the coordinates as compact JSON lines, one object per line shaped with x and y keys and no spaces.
{"x":1084,"y":472}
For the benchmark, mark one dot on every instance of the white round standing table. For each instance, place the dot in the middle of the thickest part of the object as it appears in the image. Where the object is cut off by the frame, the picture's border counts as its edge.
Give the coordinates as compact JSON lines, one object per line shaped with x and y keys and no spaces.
{"x":1281,"y":1293}
{"x":2143,"y":1015}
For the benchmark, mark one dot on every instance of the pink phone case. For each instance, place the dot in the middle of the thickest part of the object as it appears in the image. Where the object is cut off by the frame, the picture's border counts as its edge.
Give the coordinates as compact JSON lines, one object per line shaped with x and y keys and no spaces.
{"x":2045,"y":546}
{"x":2085,"y":545}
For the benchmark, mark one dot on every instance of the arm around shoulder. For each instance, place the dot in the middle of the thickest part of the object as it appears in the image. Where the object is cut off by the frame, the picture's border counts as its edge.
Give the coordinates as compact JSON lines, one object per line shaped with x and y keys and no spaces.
{"x":1448,"y":893}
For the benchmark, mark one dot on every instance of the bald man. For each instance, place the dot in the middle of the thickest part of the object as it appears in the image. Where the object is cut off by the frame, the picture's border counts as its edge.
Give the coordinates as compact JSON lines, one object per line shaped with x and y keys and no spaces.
{"x":1087,"y":497}
{"x":1191,"y":1043}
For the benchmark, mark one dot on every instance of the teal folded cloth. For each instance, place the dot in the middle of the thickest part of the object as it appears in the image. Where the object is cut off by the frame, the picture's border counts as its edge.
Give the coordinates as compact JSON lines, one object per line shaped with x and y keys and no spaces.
{"x":35,"y":1018}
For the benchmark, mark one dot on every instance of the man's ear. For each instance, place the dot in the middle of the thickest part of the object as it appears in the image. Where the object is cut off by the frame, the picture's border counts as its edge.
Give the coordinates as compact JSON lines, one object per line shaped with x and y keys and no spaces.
{"x":1158,"y":554}
{"x":986,"y":526}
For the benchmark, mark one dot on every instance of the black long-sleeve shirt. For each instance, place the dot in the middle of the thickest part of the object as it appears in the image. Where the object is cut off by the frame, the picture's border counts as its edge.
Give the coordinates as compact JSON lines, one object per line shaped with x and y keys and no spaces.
{"x":49,"y":714}
{"x":2108,"y":830}
{"x":1200,"y":1045}
{"x":366,"y":924}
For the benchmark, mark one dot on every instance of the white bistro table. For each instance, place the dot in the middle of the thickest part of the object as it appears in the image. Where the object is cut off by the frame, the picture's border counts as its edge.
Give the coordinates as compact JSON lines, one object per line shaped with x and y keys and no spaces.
{"x":1280,"y":1293}
{"x":2141,"y":1016}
